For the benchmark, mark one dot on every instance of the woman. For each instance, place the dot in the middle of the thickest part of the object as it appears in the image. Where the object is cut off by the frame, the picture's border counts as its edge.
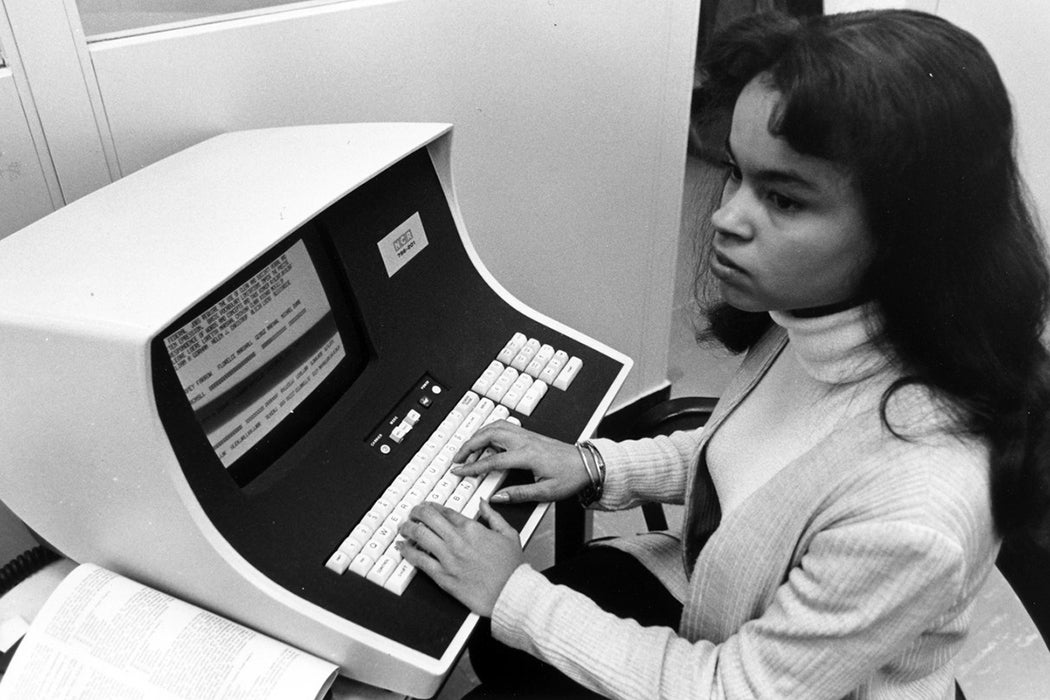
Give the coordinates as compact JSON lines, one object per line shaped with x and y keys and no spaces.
{"x":876,"y":260}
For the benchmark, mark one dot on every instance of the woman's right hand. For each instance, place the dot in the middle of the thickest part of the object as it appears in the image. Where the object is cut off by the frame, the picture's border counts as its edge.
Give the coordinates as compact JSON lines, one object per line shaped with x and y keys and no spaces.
{"x":556,"y":466}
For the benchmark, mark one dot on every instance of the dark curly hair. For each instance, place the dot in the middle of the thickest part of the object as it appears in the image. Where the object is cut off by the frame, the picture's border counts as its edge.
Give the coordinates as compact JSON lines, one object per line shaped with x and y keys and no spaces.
{"x":913,"y":107}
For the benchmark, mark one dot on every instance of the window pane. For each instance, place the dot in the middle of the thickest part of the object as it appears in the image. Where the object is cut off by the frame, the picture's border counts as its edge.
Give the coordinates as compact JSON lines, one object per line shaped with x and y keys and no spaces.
{"x":103,"y":17}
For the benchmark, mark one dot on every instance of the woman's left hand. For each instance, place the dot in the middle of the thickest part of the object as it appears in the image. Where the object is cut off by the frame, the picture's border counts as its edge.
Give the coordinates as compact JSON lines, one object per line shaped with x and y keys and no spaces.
{"x":469,"y":559}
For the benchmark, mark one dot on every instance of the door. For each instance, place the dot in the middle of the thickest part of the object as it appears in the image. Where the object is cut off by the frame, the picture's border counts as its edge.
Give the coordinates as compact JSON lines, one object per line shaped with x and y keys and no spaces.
{"x":28,"y":184}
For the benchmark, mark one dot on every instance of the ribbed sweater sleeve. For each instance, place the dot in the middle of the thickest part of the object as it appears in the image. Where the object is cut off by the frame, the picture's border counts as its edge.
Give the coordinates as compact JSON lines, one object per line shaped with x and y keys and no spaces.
{"x":863,"y":592}
{"x":648,"y":470}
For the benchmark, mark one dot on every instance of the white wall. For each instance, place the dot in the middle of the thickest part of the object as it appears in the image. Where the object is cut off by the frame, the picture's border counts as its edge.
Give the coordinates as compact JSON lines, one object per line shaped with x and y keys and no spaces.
{"x":1017,"y":35}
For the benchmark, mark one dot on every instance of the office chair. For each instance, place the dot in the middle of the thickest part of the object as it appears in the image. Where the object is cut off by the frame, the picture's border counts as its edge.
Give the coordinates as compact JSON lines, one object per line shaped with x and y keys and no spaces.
{"x":666,"y":417}
{"x":1006,"y":654}
{"x":663,"y":418}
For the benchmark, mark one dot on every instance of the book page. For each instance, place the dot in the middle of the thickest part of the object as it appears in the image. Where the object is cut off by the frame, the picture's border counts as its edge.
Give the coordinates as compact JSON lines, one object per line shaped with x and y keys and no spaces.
{"x":103,"y":636}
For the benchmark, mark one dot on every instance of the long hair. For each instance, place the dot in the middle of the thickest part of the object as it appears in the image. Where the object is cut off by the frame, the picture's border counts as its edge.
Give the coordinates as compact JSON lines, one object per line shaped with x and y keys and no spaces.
{"x":913,"y":107}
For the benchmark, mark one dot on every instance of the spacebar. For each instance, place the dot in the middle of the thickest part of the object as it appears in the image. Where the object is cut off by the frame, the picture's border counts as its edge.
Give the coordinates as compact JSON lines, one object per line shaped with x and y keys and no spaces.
{"x":405,"y":572}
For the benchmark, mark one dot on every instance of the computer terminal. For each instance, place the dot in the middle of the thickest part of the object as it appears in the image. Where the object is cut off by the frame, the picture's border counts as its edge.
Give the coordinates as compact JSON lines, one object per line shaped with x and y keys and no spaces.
{"x":230,"y":374}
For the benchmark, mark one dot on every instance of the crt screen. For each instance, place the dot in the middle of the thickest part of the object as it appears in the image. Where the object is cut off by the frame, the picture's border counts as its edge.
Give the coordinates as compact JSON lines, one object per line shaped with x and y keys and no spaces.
{"x":247,"y":361}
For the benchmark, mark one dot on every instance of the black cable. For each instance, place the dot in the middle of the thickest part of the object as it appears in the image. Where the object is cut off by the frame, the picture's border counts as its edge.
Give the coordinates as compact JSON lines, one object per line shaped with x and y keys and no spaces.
{"x":25,"y":565}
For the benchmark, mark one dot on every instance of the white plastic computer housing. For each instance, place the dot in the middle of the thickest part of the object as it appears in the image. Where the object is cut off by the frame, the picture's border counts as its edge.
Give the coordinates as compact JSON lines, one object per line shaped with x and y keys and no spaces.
{"x":85,"y":460}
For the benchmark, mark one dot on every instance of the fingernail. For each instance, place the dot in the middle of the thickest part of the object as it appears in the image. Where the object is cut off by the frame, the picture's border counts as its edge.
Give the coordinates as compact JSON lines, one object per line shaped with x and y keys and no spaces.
{"x":499,"y":497}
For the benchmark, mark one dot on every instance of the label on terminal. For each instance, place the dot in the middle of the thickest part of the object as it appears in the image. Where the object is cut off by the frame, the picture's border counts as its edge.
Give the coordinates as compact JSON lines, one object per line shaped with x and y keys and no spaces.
{"x":402,"y":244}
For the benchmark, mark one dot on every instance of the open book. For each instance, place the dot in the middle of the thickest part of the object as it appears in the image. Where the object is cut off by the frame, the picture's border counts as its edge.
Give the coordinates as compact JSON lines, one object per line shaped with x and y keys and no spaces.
{"x":100,"y":635}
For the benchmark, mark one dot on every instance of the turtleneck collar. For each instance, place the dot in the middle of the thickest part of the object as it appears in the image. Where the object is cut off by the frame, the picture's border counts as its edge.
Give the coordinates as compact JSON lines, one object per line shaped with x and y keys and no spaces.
{"x":834,"y":348}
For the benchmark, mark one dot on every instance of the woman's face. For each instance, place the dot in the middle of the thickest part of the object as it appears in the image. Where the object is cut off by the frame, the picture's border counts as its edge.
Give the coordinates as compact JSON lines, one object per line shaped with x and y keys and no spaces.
{"x":789,"y":233}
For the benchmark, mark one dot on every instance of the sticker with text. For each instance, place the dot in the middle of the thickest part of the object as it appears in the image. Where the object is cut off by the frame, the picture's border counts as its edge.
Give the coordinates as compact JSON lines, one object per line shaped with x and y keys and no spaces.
{"x":402,"y":244}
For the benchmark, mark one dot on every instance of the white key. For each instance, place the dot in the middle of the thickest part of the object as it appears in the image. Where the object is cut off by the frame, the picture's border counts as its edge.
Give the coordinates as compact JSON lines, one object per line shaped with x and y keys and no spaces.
{"x":482,"y":383}
{"x":510,"y":350}
{"x":373,"y":519}
{"x":444,"y":488}
{"x":422,"y":458}
{"x":363,"y":531}
{"x":467,"y":403}
{"x":437,"y":497}
{"x":500,"y":386}
{"x":373,"y":549}
{"x":399,"y":580}
{"x":525,"y":355}
{"x":438,"y":467}
{"x":383,"y":506}
{"x":457,"y":501}
{"x":444,"y":431}
{"x":412,"y":470}
{"x":362,"y":564}
{"x":461,"y":496}
{"x":384,"y":536}
{"x":395,"y":519}
{"x":457,"y":414}
{"x":486,"y":488}
{"x":393,"y":493}
{"x":553,"y":368}
{"x":435,"y":471}
{"x":456,"y":441}
{"x":403,"y":482}
{"x":516,"y":391}
{"x":338,"y":562}
{"x":500,"y":412}
{"x":532,"y":397}
{"x":417,"y":493}
{"x":419,"y":460}
{"x":429,"y":449}
{"x":394,"y":550}
{"x":484,"y":408}
{"x":469,"y":427}
{"x":477,"y":418}
{"x":568,"y":373}
{"x":469,"y":483}
{"x":536,"y":365}
{"x":402,"y":509}
{"x":382,"y":569}
{"x":412,"y":417}
{"x":351,"y":547}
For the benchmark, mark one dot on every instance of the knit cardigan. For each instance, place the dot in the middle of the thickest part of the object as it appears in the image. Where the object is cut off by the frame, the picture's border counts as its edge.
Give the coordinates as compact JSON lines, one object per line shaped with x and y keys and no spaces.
{"x":852,"y":572}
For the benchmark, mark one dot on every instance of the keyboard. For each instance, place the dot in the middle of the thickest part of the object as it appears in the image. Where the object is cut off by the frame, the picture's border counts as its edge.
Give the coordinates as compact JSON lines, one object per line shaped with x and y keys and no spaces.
{"x":515,"y":381}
